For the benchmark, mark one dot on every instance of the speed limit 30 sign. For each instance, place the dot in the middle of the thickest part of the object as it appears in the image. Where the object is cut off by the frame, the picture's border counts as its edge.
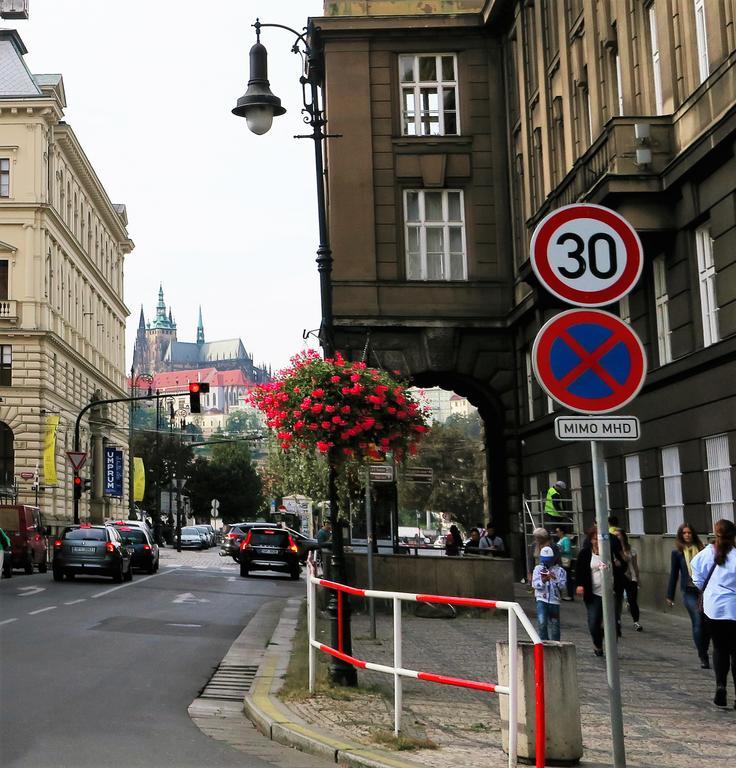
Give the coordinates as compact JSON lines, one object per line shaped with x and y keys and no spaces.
{"x":586,"y":255}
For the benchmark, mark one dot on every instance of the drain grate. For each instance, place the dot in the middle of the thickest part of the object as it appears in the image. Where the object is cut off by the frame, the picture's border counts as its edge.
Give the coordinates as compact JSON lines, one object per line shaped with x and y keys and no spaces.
{"x":230,"y":681}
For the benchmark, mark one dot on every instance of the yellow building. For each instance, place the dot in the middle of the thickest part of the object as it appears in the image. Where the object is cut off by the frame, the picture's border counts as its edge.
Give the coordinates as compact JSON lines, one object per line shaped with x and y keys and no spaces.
{"x":62,"y":315}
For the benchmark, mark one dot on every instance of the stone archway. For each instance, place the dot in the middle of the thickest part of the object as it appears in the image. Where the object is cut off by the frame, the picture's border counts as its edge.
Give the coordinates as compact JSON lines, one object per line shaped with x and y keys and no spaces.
{"x":495,"y":424}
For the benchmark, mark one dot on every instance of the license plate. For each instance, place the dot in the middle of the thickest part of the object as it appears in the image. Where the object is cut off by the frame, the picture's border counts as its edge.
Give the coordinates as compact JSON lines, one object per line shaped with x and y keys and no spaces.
{"x":80,"y":549}
{"x":268,"y":550}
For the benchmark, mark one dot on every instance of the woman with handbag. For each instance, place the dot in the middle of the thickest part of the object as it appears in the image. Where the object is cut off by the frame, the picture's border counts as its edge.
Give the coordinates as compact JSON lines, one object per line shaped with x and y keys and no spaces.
{"x":687,"y":546}
{"x":714,"y":573}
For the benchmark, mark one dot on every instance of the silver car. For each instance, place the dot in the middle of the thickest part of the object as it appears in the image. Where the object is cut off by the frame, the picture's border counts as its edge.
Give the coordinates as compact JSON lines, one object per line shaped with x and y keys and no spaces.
{"x":192,"y":538}
{"x":92,"y":550}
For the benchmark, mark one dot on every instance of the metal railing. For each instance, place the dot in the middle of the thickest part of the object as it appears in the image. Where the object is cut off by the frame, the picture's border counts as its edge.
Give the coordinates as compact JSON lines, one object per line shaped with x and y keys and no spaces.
{"x":398,"y":672}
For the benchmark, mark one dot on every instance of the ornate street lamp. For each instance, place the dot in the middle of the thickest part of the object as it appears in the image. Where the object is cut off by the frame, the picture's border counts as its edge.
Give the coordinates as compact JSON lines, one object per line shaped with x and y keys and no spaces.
{"x":259,"y":106}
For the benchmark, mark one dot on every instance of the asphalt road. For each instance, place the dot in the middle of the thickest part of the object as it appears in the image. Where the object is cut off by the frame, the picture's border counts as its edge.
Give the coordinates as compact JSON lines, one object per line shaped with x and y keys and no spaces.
{"x":100,"y":675}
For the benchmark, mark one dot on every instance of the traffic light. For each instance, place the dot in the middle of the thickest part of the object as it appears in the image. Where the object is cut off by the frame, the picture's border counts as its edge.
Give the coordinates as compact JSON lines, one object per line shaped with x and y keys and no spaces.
{"x":77,"y":487}
{"x":87,"y":485}
{"x":196,"y":388}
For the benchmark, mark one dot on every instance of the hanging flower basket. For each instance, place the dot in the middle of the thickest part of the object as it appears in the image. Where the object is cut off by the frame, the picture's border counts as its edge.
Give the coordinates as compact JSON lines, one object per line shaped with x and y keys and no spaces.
{"x":362,"y":412}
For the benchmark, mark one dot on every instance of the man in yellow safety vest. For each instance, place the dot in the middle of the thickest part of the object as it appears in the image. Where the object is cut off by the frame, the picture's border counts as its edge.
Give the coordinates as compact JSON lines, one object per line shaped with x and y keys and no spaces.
{"x":554,"y":505}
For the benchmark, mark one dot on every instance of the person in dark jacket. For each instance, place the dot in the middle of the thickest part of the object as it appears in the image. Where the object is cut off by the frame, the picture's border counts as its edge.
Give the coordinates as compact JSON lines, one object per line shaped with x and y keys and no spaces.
{"x":589,"y":578}
{"x":453,"y":542}
{"x":687,"y":545}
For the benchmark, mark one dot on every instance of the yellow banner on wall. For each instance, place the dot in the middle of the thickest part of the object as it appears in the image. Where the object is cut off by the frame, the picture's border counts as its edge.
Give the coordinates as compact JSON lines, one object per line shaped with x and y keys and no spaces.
{"x":49,"y":450}
{"x":139,"y":479}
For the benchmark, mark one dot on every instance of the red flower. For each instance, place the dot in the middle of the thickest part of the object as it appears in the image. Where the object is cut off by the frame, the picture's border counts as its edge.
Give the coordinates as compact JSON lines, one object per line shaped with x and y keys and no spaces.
{"x":318,"y":392}
{"x":354,"y":377}
{"x":330,"y":408}
{"x":345,"y":409}
{"x":323,"y":446}
{"x":326,"y":425}
{"x":334,"y":379}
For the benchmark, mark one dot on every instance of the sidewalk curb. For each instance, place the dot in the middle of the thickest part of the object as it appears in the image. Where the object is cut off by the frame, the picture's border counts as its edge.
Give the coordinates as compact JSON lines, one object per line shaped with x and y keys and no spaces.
{"x":277,"y":722}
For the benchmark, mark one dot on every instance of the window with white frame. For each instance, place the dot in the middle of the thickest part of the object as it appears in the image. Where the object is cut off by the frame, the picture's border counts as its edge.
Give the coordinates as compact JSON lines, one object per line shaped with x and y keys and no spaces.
{"x":634,"y":503}
{"x":4,"y":177}
{"x":429,"y":95}
{"x":707,"y":280}
{"x":701,"y":37}
{"x":661,"y":301}
{"x":656,"y":69}
{"x":672,"y":482}
{"x":529,"y":386}
{"x":435,"y":235}
{"x":550,"y":405}
{"x":624,"y":310}
{"x":719,"y":477}
{"x":619,"y":85}
{"x":576,"y":489}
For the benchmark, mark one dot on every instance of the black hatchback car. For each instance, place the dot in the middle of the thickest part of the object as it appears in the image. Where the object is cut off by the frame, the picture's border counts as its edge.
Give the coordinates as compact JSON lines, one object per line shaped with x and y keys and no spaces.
{"x":145,"y":549}
{"x":269,"y":549}
{"x":92,"y":550}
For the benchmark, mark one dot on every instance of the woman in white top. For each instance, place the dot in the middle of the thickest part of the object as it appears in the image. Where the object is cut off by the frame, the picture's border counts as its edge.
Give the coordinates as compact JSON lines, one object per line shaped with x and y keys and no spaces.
{"x":589,"y":580}
{"x":714,"y":573}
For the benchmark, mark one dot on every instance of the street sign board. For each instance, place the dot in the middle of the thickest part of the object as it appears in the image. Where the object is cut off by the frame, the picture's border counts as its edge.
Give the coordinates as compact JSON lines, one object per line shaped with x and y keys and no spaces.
{"x":381,"y":473}
{"x":597,"y":428}
{"x":215,"y":504}
{"x":113,"y":478}
{"x":76,"y":459}
{"x":419,"y":475}
{"x":27,"y":475}
{"x":589,"y":361}
{"x":586,"y":255}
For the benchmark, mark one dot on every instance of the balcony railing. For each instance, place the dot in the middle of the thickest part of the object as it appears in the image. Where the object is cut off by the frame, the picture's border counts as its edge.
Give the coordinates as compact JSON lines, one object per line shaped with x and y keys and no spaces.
{"x":8,"y":310}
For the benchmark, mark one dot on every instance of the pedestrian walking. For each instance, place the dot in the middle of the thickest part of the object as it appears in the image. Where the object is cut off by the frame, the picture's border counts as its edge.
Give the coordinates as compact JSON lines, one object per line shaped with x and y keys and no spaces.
{"x":490,"y":543}
{"x":548,"y":581}
{"x":472,"y":545}
{"x":5,"y":546}
{"x":687,"y":546}
{"x":540,"y":539}
{"x":630,"y":560}
{"x":589,"y":579}
{"x":453,"y":542}
{"x":714,"y":573}
{"x":564,"y":544}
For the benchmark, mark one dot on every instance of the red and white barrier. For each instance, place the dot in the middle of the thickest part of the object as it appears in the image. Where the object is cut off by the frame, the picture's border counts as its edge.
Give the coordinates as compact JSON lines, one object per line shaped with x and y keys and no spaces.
{"x":514,"y":612}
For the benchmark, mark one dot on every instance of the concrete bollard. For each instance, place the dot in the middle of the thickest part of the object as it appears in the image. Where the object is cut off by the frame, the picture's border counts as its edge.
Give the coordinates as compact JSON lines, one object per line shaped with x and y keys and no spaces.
{"x":564,"y":736}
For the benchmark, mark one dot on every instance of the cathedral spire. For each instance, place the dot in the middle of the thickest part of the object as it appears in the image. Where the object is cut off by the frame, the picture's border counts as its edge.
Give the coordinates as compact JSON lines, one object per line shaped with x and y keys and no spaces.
{"x":142,"y":321}
{"x":161,"y":306}
{"x":200,"y":328}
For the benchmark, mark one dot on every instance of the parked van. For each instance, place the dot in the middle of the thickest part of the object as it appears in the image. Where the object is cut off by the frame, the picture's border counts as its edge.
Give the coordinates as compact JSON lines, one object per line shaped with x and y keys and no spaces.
{"x":27,"y":537}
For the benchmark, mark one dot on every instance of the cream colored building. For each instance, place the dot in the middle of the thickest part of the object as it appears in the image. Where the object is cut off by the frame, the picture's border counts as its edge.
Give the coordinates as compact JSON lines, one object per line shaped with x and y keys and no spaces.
{"x":62,"y":315}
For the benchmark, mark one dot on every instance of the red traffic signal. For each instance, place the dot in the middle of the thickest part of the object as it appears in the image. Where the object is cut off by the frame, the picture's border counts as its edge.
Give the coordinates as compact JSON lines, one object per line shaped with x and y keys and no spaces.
{"x":196,"y":388}
{"x":77,"y":487}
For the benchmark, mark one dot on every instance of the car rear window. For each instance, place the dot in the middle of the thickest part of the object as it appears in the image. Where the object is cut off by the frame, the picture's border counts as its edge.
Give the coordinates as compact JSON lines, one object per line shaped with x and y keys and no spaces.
{"x":134,"y":534}
{"x":268,"y":538}
{"x":90,"y":534}
{"x":192,"y":531}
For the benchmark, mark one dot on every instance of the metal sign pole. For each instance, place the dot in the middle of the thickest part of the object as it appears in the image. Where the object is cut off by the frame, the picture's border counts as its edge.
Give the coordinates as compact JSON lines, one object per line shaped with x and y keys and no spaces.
{"x":369,"y":541}
{"x":609,"y":608}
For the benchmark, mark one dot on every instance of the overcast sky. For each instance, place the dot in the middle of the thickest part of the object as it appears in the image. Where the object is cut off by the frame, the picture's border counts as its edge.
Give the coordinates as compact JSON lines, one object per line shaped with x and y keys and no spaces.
{"x":218,"y":215}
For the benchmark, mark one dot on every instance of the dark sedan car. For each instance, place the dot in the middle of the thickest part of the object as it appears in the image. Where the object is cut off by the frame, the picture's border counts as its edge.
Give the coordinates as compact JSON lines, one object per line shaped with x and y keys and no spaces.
{"x":233,"y":540}
{"x":145,"y":549}
{"x":269,"y":549}
{"x":92,"y":550}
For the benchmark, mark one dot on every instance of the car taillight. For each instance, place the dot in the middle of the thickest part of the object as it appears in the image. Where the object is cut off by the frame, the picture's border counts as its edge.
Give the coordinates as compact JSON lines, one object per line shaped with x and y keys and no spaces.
{"x":110,"y":547}
{"x":292,"y":545}
{"x":246,"y":541}
{"x":147,"y":547}
{"x":57,"y":544}
{"x":37,"y":538}
{"x":231,"y":535}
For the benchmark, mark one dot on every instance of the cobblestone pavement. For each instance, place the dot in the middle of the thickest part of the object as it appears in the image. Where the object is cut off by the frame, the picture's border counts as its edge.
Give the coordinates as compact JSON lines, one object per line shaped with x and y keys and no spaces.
{"x":670,"y":721}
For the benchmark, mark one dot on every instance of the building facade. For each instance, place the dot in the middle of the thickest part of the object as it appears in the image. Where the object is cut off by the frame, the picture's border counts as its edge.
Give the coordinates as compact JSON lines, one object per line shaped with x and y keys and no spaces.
{"x":463,"y":124}
{"x":157,"y":349}
{"x":62,"y":315}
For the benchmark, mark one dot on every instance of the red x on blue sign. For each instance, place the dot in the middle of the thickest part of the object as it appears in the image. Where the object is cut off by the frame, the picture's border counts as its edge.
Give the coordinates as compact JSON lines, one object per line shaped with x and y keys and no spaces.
{"x":589,"y":361}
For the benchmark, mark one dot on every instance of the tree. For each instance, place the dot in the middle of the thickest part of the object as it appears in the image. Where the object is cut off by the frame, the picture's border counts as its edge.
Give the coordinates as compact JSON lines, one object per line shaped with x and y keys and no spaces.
{"x":230,"y":477}
{"x":243,"y":422}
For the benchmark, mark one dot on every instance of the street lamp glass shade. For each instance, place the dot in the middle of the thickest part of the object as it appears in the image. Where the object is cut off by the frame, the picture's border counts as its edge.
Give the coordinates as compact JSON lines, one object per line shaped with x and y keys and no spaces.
{"x":259,"y":118}
{"x":258,"y":105}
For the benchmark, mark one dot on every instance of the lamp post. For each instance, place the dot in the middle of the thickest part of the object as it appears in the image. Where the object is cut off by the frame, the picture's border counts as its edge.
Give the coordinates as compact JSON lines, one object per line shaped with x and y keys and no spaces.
{"x":134,"y":380}
{"x":259,"y":106}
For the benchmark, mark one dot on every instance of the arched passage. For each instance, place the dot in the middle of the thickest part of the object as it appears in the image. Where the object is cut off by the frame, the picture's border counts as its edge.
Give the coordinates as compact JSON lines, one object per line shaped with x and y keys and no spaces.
{"x":495,"y":425}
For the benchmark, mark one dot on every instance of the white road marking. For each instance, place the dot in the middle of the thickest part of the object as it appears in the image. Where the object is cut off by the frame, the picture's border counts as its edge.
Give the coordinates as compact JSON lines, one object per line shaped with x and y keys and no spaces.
{"x":183,"y":625}
{"x":74,"y":602}
{"x":30,"y":590}
{"x":7,"y":621}
{"x":130,"y":583}
{"x":41,"y":610}
{"x":188,"y":597}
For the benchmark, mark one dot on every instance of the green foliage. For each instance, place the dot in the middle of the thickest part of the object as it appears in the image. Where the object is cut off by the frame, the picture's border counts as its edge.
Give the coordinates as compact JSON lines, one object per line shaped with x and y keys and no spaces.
{"x":230,"y":477}
{"x":242,"y":423}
